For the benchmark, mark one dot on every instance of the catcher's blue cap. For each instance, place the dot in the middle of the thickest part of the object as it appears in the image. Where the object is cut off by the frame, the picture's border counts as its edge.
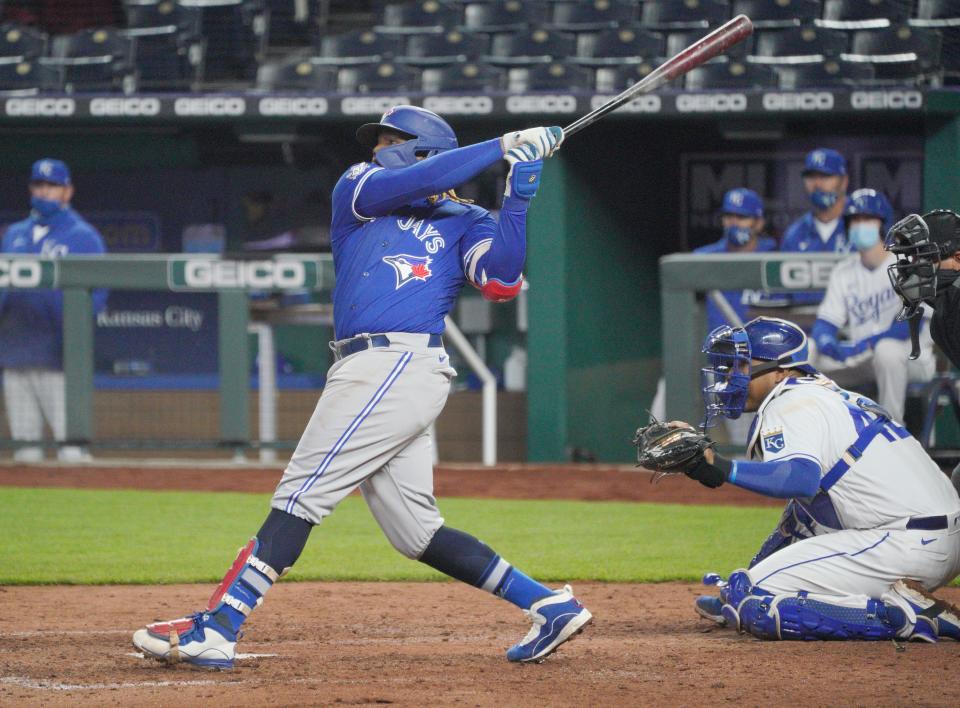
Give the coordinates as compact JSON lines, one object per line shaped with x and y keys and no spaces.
{"x":742,"y":202}
{"x":825,"y":161}
{"x":50,"y":170}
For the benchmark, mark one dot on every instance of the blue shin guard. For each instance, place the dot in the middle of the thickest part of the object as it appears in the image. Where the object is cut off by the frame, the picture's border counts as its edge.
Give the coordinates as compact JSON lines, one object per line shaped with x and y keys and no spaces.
{"x":243,"y":587}
{"x":807,"y":617}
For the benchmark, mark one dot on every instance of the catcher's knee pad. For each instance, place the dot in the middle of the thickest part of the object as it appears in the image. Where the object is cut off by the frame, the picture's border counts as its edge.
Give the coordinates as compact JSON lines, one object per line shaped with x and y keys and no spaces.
{"x":245,"y":584}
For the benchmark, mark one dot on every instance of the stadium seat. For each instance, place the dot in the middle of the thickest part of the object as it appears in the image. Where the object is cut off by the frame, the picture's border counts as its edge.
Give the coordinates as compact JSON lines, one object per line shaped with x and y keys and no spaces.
{"x":798,"y":45}
{"x":385,"y":77}
{"x":236,"y":33}
{"x":943,"y":15}
{"x":684,"y":14}
{"x":624,"y":45}
{"x":826,"y":74}
{"x":731,"y":75}
{"x":555,"y":77}
{"x":27,"y":78}
{"x":679,"y":40}
{"x":466,"y":77}
{"x":770,"y":14}
{"x":95,"y":60}
{"x":897,"y":53}
{"x":418,"y":17}
{"x":614,"y":79}
{"x":162,"y":13}
{"x":503,"y":15}
{"x":359,"y":47}
{"x":864,"y":14}
{"x":292,"y":23}
{"x":296,"y":74}
{"x":537,"y":46}
{"x":591,"y":16}
{"x":166,"y":57}
{"x":446,"y":48}
{"x":21,"y":42}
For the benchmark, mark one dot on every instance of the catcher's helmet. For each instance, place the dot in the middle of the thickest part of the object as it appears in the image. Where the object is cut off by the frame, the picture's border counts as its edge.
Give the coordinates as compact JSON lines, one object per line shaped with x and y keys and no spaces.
{"x":428,"y":134}
{"x":869,"y":202}
{"x":730,"y":352}
{"x":920,"y":243}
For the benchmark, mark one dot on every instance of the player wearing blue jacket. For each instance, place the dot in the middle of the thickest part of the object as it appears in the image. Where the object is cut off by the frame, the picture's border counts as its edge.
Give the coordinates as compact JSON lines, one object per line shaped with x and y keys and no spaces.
{"x":820,"y":230}
{"x":403,"y":246}
{"x":31,"y":321}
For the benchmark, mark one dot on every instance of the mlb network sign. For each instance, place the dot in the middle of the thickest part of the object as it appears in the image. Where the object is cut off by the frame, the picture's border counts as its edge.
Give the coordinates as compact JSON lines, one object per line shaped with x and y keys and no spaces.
{"x":209,"y":274}
{"x":27,"y":273}
{"x":797,"y":274}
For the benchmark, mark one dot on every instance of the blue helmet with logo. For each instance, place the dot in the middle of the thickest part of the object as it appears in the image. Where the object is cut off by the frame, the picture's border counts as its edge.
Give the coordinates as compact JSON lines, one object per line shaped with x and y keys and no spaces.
{"x":427,"y":134}
{"x":731,"y":352}
{"x":870,"y":202}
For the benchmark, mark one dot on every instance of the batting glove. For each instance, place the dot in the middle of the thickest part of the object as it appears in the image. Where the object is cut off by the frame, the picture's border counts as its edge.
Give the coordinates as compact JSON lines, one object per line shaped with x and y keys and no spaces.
{"x":523,"y":177}
{"x":545,"y":141}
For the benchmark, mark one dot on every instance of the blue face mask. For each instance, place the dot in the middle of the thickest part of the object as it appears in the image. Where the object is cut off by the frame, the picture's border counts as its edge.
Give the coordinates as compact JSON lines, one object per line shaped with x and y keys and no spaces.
{"x":737,"y":235}
{"x":823,"y":200}
{"x":45,"y":208}
{"x":864,"y":236}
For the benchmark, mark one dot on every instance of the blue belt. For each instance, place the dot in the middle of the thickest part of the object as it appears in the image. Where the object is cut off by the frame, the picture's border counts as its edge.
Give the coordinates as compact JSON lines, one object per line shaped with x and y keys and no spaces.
{"x":928,"y":523}
{"x":361,"y":342}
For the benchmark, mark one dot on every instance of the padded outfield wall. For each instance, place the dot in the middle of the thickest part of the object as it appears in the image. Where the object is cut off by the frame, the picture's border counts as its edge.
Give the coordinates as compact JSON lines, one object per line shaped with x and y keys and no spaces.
{"x":643,"y":183}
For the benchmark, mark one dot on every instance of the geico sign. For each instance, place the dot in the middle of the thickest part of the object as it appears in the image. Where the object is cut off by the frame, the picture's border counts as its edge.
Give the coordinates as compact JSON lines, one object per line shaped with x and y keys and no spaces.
{"x":240,"y":274}
{"x":20,"y":274}
{"x":364,"y":105}
{"x":805,"y":274}
{"x":806,"y":101}
{"x":125,"y":107}
{"x":299,"y":106}
{"x":459,"y":105}
{"x":210,"y":106}
{"x":545,"y":103}
{"x":898,"y":100}
{"x":46,"y":107}
{"x":651,"y":103}
{"x":711,"y":102}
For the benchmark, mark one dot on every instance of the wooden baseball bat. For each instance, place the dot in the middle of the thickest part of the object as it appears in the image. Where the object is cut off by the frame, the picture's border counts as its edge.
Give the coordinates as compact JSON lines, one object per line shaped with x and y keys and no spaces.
{"x":701,"y":51}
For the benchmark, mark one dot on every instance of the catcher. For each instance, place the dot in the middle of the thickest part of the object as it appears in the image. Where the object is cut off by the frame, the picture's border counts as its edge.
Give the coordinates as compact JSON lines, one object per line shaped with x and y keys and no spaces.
{"x":872,"y":525}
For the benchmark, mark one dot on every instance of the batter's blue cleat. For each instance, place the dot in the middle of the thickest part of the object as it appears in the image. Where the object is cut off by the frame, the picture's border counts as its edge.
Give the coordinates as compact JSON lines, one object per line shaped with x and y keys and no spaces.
{"x":556,"y":619}
{"x":711,"y":608}
{"x":199,"y":639}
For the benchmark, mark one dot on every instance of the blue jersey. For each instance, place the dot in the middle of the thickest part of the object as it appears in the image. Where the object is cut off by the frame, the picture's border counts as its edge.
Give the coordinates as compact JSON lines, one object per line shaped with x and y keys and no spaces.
{"x":739,"y":300}
{"x":31,"y":321}
{"x":401,"y":258}
{"x":802,"y":237}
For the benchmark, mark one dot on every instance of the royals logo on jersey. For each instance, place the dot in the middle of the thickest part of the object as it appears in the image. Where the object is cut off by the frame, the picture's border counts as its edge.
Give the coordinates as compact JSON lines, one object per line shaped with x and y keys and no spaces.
{"x":773,"y":441}
{"x":409,"y":268}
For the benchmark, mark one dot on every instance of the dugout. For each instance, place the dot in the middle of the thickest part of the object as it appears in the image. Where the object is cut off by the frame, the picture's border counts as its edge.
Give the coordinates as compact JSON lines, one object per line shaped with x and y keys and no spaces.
{"x":642,"y":183}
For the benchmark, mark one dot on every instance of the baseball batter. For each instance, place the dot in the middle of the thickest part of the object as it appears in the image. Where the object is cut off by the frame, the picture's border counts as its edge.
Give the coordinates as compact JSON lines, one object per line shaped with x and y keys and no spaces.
{"x":403,"y":245}
{"x":861,"y":301}
{"x":880,"y":523}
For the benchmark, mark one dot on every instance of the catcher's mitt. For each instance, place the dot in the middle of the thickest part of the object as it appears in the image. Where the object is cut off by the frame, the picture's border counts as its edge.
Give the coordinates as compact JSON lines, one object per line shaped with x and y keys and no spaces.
{"x":669,"y":449}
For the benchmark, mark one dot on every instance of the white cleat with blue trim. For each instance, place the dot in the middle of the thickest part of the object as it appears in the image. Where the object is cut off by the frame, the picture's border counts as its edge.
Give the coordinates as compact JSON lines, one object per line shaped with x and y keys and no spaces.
{"x":556,"y":619}
{"x":198,"y":639}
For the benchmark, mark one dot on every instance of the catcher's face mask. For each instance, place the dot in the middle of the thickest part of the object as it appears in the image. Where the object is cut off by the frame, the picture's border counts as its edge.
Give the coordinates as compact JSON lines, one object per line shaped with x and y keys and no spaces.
{"x":725,"y":379}
{"x":914,"y":275}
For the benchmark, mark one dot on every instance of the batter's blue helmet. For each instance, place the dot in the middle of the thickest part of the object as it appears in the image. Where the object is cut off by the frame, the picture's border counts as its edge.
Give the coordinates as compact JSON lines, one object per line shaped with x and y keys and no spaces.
{"x":428,"y":134}
{"x":870,"y":202}
{"x":730,"y":354}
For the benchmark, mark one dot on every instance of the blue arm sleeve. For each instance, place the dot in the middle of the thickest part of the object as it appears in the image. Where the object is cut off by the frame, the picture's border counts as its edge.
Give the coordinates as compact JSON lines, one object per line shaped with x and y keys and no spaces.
{"x":795,"y":477}
{"x":508,"y":248}
{"x":385,"y":190}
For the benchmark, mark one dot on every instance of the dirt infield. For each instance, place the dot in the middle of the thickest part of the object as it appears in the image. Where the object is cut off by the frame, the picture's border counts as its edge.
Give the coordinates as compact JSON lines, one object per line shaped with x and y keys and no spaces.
{"x":417,"y":644}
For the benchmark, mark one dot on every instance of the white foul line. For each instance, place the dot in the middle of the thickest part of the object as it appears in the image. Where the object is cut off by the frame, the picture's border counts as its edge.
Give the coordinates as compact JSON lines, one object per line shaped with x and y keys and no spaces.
{"x":24,"y":682}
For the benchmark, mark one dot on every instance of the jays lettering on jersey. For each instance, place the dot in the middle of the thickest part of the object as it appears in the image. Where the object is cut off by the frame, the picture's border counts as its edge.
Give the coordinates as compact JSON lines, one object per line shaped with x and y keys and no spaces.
{"x":401,"y":260}
{"x":860,"y":299}
{"x":813,"y":419}
{"x":30,"y":320}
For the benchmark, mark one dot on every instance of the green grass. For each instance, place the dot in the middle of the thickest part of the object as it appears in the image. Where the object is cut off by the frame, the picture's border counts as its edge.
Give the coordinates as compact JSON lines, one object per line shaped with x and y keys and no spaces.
{"x":89,"y":536}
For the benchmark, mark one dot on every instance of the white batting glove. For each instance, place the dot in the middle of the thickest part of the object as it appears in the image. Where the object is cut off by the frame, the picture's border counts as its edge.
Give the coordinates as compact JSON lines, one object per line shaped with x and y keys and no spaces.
{"x":545,"y":141}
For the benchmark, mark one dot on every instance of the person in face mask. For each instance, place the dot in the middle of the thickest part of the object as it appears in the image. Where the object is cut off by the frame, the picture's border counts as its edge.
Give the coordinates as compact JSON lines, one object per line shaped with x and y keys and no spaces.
{"x":861,"y":301}
{"x":821,"y":229}
{"x":31,"y":321}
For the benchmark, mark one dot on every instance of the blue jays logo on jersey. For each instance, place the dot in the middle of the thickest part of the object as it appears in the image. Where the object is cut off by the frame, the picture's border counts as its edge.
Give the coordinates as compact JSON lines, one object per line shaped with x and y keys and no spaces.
{"x":773,"y":441}
{"x":409,"y":268}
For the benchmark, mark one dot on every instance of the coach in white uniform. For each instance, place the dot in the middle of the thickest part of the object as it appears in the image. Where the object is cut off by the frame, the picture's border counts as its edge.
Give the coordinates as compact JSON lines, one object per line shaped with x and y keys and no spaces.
{"x":861,"y":301}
